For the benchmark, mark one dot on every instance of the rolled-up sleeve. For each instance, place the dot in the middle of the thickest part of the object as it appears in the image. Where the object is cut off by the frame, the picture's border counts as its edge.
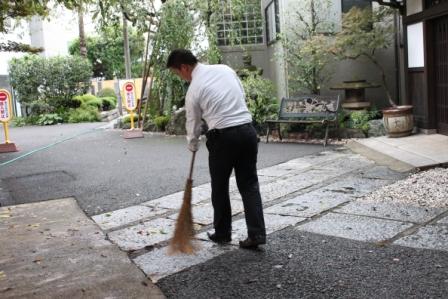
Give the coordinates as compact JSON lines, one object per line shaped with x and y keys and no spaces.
{"x":194,"y":120}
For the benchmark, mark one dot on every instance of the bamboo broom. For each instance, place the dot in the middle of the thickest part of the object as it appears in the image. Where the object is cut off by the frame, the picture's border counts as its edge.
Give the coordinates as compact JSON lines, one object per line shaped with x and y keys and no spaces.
{"x":184,"y":231}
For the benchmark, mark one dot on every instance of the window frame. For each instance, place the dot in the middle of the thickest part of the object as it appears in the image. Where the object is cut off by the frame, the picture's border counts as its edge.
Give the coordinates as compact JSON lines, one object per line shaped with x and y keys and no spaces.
{"x":269,"y":39}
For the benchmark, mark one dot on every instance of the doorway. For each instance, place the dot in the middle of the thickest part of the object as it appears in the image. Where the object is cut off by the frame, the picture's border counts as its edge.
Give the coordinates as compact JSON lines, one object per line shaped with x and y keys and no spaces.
{"x":441,"y":73}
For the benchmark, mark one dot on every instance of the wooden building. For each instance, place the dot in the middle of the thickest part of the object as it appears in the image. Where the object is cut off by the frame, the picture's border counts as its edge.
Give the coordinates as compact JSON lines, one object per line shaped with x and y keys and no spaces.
{"x":425,"y":26}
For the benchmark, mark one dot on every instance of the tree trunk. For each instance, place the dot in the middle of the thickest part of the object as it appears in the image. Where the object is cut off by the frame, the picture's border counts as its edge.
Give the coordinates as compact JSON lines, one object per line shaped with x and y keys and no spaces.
{"x":82,"y":37}
{"x":127,"y":56}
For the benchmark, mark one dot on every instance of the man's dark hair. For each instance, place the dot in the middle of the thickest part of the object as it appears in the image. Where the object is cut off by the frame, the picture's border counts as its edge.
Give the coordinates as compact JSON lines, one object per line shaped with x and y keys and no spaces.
{"x":180,"y":56}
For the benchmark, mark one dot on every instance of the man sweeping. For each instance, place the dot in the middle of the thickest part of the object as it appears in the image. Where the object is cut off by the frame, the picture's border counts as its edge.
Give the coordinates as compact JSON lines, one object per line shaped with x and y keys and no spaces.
{"x":216,"y":95}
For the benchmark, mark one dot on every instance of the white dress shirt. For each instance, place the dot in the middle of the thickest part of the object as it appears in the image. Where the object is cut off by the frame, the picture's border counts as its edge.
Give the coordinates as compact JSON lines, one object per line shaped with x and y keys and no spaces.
{"x":216,"y":95}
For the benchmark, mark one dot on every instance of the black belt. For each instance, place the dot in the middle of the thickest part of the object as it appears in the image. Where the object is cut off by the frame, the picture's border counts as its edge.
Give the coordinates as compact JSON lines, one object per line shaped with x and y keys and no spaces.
{"x":214,"y":131}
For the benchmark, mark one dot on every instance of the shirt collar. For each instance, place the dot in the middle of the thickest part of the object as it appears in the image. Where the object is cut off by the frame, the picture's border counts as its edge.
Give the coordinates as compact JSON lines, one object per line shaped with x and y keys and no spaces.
{"x":196,"y":69}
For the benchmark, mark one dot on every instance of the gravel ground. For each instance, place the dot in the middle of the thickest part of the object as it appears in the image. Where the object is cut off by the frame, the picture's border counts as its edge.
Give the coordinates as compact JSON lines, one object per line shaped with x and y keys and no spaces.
{"x":427,"y":189}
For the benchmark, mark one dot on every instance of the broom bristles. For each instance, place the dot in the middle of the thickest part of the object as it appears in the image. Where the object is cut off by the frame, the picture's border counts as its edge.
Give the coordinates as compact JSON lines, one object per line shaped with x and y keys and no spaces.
{"x":184,"y":231}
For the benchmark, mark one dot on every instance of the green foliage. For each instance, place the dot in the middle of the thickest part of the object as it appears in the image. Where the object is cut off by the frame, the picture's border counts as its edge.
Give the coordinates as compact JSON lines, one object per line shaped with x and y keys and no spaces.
{"x":18,"y":121}
{"x":49,"y":82}
{"x":105,"y":52}
{"x":49,"y":119}
{"x":85,"y":97}
{"x":95,"y":102}
{"x":169,"y":89}
{"x":360,"y":119}
{"x":260,"y":98}
{"x":39,"y":107}
{"x":161,"y":122}
{"x":106,"y":92}
{"x":108,"y":103}
{"x":83,"y":114}
{"x":363,"y":33}
{"x":307,"y":44}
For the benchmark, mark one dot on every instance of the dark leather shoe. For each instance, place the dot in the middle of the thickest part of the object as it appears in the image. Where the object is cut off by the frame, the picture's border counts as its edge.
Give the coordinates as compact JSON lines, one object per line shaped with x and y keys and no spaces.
{"x":219,"y":239}
{"x":252,"y":243}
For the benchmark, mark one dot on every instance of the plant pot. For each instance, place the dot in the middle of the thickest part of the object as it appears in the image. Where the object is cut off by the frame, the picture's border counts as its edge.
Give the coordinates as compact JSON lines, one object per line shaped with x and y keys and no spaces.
{"x":398,"y":121}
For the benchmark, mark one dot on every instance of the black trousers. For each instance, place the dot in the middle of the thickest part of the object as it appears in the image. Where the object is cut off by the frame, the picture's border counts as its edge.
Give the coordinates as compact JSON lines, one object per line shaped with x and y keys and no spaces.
{"x":235,"y":148}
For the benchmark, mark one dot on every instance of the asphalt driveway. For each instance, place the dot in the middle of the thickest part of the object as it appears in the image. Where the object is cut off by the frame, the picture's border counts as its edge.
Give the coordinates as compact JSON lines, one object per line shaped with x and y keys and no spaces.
{"x":104,"y":171}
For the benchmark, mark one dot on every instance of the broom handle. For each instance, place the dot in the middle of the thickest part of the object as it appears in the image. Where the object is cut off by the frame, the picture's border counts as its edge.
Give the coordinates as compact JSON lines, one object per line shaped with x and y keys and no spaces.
{"x":191,"y":165}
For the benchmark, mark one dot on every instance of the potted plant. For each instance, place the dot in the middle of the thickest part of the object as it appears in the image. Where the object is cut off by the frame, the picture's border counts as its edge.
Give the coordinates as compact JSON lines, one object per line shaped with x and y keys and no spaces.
{"x":363,"y":33}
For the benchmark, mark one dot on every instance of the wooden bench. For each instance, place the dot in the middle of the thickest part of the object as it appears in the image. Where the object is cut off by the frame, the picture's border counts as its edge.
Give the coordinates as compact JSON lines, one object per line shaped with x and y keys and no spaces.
{"x":306,"y":110}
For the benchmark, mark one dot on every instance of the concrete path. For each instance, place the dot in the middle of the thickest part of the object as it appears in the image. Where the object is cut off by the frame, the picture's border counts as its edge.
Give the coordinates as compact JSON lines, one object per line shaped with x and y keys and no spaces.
{"x":52,"y":250}
{"x":316,"y":194}
{"x":417,"y":151}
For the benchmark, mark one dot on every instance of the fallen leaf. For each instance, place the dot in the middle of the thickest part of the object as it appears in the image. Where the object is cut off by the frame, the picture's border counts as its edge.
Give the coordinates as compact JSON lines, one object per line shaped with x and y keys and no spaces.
{"x":38,"y":260}
{"x":108,"y":214}
{"x":2,"y":275}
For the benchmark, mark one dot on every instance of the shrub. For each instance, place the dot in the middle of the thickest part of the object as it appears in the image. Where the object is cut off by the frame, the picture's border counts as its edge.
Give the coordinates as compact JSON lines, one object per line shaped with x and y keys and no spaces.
{"x":18,"y":121}
{"x":40,"y":107}
{"x":85,"y":97}
{"x":94,"y":102}
{"x":260,"y":97}
{"x":108,"y":103}
{"x":106,"y":92}
{"x":53,"y":80}
{"x":32,"y":120}
{"x":49,"y":119}
{"x":161,"y":122}
{"x":83,"y":114}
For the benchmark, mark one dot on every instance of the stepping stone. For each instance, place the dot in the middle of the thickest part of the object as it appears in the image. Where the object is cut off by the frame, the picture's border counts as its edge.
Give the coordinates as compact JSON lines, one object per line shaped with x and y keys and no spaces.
{"x":118,"y":218}
{"x":203,"y":214}
{"x":159,"y":263}
{"x":273,"y":223}
{"x":307,"y":205}
{"x":355,"y":227}
{"x":430,"y":237}
{"x":139,"y":236}
{"x":174,"y":201}
{"x":390,"y":211}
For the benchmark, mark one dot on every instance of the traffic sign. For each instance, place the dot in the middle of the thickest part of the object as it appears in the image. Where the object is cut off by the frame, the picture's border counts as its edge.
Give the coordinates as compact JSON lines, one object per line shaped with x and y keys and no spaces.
{"x":5,"y":106}
{"x":130,"y":99}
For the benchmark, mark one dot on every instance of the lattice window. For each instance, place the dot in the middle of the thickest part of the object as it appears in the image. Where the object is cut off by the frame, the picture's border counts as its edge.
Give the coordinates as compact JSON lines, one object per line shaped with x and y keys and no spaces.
{"x":245,"y":28}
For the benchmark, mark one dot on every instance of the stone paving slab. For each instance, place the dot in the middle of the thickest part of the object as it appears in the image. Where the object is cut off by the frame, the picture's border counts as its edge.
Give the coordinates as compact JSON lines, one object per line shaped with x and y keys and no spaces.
{"x":273,"y":223}
{"x":139,"y":236}
{"x":396,"y":152}
{"x":203,"y":214}
{"x":307,"y":205}
{"x":174,"y":201}
{"x":398,"y":212}
{"x":356,"y":186}
{"x":51,"y":249}
{"x":118,"y":218}
{"x":349,"y":163}
{"x":429,"y":236}
{"x":444,"y":220}
{"x":277,"y":189}
{"x":283,"y":169}
{"x":159,"y":263}
{"x":381,"y":173}
{"x":355,"y":227}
